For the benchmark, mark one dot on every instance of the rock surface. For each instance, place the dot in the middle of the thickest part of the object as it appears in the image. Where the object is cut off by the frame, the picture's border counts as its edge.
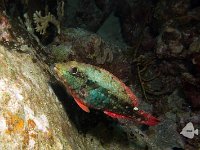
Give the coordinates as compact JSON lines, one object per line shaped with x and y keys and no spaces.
{"x":31,"y":115}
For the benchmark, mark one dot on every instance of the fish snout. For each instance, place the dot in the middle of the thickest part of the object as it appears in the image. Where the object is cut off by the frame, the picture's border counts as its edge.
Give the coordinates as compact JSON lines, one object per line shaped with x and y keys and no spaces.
{"x":52,"y":67}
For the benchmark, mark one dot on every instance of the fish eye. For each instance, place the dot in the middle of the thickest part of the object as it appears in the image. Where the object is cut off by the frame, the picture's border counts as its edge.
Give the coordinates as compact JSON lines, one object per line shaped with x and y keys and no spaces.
{"x":83,"y":92}
{"x":73,"y":70}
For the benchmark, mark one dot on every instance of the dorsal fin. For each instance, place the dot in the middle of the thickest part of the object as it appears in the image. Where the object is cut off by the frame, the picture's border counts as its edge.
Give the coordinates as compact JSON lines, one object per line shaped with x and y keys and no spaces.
{"x":131,"y":95}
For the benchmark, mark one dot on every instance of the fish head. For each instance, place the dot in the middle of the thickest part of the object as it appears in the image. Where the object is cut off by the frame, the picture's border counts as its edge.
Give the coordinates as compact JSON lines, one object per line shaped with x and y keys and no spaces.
{"x":71,"y":74}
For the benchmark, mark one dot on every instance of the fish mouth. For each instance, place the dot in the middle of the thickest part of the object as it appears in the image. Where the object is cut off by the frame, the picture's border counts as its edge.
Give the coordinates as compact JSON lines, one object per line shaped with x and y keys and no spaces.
{"x":53,"y":67}
{"x":56,"y":71}
{"x":56,"y":68}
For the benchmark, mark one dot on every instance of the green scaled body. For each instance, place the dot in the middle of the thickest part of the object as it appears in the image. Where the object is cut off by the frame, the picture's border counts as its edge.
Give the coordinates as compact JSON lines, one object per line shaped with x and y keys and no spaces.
{"x":94,"y":87}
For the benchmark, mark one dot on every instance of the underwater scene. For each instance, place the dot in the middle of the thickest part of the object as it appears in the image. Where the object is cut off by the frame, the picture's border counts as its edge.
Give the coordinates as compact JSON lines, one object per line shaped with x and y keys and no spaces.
{"x":99,"y":74}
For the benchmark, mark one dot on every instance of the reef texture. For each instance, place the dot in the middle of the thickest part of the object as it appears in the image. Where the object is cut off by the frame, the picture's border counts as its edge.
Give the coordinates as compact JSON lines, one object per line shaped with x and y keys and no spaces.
{"x":84,"y":46}
{"x":160,"y":62}
{"x":31,"y":117}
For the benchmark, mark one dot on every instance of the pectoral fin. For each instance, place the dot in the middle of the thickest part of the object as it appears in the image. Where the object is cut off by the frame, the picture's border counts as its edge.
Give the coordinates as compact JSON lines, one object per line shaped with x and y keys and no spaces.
{"x":82,"y":106}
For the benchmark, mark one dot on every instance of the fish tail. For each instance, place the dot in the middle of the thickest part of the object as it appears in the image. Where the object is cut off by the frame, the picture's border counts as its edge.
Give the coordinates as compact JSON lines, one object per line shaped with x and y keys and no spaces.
{"x":147,"y":118}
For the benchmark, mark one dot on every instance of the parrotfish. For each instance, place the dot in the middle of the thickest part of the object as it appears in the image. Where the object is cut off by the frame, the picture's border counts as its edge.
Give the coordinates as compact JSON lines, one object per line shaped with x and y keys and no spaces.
{"x":96,"y":88}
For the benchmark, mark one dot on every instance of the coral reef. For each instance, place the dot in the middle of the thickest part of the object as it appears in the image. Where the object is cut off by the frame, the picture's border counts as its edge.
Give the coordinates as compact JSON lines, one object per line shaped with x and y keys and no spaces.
{"x":31,"y":116}
{"x":83,"y":46}
{"x":43,"y":22}
{"x":152,"y":46}
{"x":22,"y":123}
{"x":87,"y":14}
{"x":5,"y":35}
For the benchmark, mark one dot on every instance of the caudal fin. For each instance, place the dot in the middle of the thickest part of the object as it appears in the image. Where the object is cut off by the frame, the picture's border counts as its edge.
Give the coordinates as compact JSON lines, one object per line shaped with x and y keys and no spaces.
{"x":147,"y":118}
